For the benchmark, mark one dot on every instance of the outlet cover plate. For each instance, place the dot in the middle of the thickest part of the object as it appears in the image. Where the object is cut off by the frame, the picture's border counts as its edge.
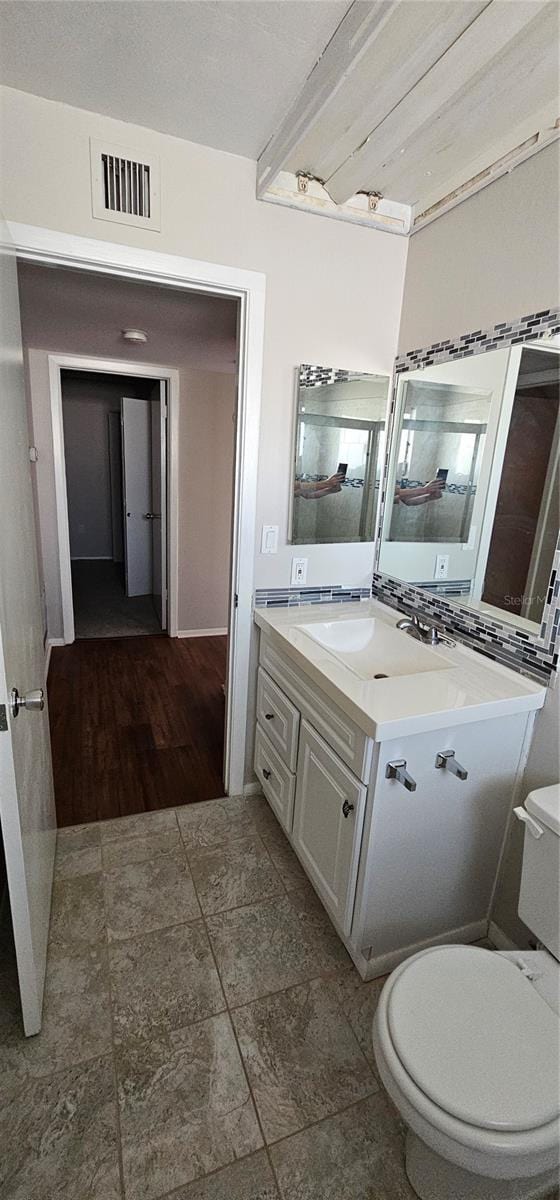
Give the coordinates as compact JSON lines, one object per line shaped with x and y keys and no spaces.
{"x":299,"y":572}
{"x":442,"y":566}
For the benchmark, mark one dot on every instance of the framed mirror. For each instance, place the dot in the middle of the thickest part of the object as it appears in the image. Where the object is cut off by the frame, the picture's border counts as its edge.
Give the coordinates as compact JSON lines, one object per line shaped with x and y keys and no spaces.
{"x":339,"y":452}
{"x":473,"y":488}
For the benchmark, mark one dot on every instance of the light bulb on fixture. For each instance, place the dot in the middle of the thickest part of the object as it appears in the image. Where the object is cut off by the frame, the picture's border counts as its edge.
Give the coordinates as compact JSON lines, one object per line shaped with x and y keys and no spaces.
{"x":135,"y":335}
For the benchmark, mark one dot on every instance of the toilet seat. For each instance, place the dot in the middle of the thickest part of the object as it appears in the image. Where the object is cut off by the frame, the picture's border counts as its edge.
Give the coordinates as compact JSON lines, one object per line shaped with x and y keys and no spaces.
{"x":476,"y":1038}
{"x":499,"y":1154}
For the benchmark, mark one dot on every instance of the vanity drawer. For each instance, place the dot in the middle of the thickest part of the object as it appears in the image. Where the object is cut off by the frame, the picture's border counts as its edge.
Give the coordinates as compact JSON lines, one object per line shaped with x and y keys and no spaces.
{"x":277,"y":782}
{"x":351,"y":744}
{"x":278,"y":716}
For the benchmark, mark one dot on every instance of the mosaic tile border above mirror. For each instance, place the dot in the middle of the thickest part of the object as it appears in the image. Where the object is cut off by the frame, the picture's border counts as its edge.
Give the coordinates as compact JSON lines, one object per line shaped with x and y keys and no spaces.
{"x":536,"y":656}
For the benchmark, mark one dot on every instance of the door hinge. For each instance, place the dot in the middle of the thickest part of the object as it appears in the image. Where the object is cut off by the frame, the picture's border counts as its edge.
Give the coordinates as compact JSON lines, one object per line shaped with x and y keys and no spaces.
{"x":235,"y":600}
{"x":164,"y":411}
{"x":3,"y":719}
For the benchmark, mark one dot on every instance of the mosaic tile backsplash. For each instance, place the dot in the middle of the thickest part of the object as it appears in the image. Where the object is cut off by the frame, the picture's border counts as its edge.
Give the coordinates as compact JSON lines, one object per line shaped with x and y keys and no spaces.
{"x":318,"y":376}
{"x":293,"y":597}
{"x":506,"y":333}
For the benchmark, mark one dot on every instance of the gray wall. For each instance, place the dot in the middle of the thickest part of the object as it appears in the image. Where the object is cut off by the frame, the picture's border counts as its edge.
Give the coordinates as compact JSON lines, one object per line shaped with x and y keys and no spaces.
{"x":491,"y":258}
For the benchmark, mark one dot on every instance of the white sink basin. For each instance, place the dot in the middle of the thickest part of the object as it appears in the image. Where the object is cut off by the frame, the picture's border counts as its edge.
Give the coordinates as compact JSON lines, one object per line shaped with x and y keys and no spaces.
{"x":372,"y":649}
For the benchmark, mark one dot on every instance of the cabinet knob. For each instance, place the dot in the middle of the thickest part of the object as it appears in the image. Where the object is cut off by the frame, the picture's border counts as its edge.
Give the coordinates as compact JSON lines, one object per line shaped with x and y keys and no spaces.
{"x":269,"y":716}
{"x":347,"y":808}
{"x":266,"y":773}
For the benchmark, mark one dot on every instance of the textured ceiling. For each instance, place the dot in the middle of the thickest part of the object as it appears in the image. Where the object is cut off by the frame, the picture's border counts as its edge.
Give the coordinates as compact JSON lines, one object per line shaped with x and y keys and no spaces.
{"x":219,"y":73}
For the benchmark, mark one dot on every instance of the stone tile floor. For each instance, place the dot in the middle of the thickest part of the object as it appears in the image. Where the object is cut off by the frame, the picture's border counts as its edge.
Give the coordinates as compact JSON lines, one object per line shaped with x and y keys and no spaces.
{"x":206,"y":1036}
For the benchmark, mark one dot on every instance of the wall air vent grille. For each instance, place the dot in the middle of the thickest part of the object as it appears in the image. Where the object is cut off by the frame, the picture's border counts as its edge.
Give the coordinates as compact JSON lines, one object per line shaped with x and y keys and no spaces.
{"x":125,"y":187}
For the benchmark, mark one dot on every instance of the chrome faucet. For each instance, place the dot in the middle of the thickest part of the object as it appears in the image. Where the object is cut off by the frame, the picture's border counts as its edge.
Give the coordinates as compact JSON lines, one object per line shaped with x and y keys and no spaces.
{"x":429,"y":634}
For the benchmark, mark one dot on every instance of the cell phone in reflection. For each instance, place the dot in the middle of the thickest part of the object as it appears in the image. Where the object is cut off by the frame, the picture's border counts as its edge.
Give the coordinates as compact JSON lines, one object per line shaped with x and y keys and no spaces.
{"x":342,"y":469}
{"x":443,"y":472}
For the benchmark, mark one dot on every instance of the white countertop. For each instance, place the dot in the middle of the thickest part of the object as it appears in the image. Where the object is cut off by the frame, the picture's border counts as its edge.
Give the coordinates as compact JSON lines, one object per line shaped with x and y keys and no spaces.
{"x":472,"y":688}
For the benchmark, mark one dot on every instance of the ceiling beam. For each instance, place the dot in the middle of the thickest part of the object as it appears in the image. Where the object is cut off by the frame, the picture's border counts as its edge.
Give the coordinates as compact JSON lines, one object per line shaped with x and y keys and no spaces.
{"x":470,"y":57}
{"x":380,"y":50}
{"x":327,"y":77}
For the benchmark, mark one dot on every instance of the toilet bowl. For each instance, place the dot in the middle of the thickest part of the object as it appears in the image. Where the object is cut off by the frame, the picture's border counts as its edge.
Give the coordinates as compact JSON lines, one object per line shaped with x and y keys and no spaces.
{"x":467,"y":1043}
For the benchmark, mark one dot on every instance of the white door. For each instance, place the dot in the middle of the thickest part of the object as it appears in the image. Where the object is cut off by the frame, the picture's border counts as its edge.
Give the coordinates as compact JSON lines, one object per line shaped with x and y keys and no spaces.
{"x":115,"y":478}
{"x":159,"y":501}
{"x":27,"y":813}
{"x":137,"y":495}
{"x":328,"y":819}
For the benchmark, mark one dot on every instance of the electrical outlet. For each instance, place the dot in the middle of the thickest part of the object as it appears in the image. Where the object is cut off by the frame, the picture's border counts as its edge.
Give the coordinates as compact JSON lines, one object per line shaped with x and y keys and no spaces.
{"x":299,"y":572}
{"x":442,"y":566}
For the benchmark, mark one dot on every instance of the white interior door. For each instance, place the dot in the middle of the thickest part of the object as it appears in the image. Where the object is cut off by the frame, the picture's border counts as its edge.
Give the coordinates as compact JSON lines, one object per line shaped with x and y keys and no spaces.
{"x":159,"y":500}
{"x":115,"y":477}
{"x":27,"y":813}
{"x":137,"y":495}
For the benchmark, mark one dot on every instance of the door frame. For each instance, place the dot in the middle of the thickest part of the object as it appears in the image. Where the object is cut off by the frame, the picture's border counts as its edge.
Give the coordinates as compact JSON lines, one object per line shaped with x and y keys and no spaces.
{"x":55,"y":248}
{"x":57,"y":363}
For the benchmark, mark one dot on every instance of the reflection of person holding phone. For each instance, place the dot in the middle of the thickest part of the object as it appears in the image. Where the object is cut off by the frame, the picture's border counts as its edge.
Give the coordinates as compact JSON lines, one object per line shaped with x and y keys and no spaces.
{"x":322,"y":487}
{"x":422,"y":495}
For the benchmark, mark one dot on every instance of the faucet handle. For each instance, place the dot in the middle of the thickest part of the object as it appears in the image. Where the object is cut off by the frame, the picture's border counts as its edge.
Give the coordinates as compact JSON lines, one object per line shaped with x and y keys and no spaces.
{"x":436,"y":637}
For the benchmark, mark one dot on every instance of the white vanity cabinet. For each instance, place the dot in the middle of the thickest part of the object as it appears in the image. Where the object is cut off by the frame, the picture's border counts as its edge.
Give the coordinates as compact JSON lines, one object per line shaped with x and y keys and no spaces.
{"x":396,"y":869}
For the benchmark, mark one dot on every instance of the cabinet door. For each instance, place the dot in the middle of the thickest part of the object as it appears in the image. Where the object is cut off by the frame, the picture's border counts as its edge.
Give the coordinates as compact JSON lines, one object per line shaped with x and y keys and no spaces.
{"x":328,"y":819}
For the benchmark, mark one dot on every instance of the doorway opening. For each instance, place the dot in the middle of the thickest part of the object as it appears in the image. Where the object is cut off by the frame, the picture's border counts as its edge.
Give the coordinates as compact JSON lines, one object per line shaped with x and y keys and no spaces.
{"x":115,"y":450}
{"x":148,"y":465}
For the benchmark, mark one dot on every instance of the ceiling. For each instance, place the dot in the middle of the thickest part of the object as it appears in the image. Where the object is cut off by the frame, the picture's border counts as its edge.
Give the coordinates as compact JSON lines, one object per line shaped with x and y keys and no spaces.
{"x":218,"y":72}
{"x":385,"y":112}
{"x":82,"y":312}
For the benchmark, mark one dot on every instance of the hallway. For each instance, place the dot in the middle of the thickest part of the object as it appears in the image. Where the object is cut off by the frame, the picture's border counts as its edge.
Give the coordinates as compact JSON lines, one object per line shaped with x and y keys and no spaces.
{"x":137,"y":724}
{"x":101,"y":607}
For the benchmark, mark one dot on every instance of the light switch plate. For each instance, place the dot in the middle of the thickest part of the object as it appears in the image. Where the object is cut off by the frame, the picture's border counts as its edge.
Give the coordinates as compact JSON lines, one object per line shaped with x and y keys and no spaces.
{"x":299,"y":572}
{"x":269,"y":539}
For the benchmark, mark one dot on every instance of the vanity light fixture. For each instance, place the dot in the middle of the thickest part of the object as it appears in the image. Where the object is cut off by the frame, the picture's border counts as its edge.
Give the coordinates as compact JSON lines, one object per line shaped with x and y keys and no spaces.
{"x":135,"y":335}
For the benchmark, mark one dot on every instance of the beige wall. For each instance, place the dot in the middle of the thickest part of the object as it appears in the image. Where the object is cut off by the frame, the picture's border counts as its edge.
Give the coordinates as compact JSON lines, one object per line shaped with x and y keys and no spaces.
{"x":492,"y":258}
{"x":333,"y":290}
{"x":206,"y":451}
{"x":206,"y":405}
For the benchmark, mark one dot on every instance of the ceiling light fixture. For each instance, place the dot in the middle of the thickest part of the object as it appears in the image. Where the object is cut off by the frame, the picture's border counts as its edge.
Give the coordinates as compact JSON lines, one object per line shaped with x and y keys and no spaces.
{"x":135,"y":335}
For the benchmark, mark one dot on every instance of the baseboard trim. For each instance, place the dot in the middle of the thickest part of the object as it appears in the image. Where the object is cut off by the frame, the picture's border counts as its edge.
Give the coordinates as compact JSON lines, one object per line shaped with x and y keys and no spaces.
{"x":499,"y":938}
{"x":252,"y":789}
{"x":386,"y":963}
{"x":192,"y":633}
{"x":48,"y":647}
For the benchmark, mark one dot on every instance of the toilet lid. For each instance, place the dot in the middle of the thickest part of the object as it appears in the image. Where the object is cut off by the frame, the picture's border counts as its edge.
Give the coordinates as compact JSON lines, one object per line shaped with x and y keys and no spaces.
{"x":476,"y":1038}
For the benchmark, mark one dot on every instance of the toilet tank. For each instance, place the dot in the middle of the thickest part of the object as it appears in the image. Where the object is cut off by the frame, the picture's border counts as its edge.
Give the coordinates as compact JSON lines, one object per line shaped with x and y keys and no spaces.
{"x":539,"y":897}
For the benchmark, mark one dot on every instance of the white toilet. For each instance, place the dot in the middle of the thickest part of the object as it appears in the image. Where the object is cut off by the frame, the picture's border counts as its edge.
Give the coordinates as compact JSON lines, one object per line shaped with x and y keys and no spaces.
{"x":467,"y":1044}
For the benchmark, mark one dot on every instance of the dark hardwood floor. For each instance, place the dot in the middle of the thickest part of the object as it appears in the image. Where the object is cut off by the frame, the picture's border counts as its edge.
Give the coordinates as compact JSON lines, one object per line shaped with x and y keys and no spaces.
{"x":137,"y":724}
